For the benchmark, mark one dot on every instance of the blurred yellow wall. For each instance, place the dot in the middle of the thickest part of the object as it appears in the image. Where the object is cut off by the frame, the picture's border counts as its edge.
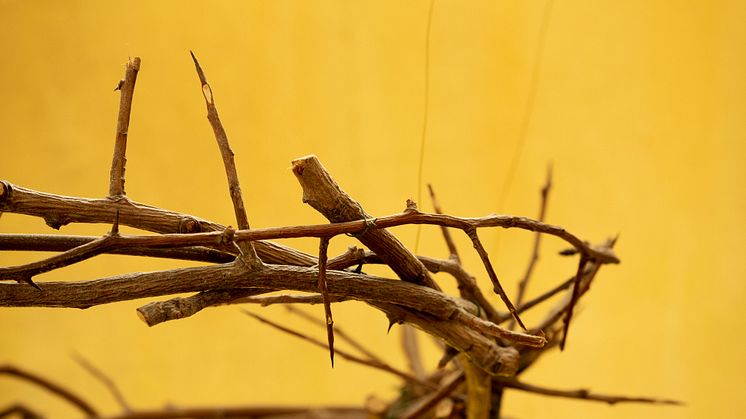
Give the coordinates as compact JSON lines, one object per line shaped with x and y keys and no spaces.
{"x":640,"y":107}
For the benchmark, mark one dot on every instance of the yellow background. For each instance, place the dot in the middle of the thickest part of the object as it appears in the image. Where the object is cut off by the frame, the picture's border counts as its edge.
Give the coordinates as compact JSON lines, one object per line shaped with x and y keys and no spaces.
{"x":640,"y":106}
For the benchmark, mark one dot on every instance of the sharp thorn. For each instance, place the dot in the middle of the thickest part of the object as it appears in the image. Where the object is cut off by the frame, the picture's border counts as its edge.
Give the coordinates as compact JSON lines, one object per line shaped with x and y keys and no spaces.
{"x":30,"y":282}
{"x":359,"y":269}
{"x":115,"y":225}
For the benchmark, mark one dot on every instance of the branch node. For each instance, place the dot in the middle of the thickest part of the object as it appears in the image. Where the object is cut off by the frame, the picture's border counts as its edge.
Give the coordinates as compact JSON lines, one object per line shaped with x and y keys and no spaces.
{"x":5,"y":191}
{"x":56,"y":221}
{"x":411,"y":207}
{"x":189,"y":225}
{"x":227,"y":236}
{"x":369,"y":223}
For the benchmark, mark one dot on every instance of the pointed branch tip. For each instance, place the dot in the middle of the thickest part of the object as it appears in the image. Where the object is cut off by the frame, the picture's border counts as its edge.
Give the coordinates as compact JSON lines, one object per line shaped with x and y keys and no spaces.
{"x":200,"y":72}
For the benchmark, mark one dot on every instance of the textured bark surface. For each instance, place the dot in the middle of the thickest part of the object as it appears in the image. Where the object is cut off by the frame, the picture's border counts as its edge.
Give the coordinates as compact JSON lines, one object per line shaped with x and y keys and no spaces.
{"x":324,"y":194}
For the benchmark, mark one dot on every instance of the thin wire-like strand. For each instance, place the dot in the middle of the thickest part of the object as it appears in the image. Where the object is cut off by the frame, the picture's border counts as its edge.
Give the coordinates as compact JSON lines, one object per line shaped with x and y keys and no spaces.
{"x":528,"y":111}
{"x":420,"y":167}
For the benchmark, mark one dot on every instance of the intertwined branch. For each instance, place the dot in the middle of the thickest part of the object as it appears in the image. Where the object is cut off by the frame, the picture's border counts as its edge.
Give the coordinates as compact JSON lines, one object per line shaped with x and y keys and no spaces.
{"x":247,"y":263}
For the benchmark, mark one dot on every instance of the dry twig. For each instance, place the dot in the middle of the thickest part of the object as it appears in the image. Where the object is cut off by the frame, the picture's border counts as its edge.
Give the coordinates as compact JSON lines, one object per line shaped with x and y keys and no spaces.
{"x":247,"y":249}
{"x":53,"y":388}
{"x":63,"y":243}
{"x":522,"y":285}
{"x":492,"y":355}
{"x":337,"y":331}
{"x":427,"y":403}
{"x":573,"y":299}
{"x":467,"y":285}
{"x":346,"y":355}
{"x":21,"y":411}
{"x":105,"y":380}
{"x":324,"y":291}
{"x":579,"y":394}
{"x":324,"y":194}
{"x":498,"y":288}
{"x":127,"y":90}
{"x":12,"y":203}
{"x":287,"y":299}
{"x":270,"y":412}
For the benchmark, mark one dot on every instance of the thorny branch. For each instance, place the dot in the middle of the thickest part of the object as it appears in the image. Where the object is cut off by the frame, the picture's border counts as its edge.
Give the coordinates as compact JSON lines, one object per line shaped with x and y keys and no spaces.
{"x":324,"y":291}
{"x":245,"y":266}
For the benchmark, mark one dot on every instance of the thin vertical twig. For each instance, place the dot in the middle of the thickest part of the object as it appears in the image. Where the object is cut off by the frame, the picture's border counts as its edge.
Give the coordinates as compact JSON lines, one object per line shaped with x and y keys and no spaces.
{"x":119,"y":161}
{"x":411,"y":348}
{"x":247,"y":249}
{"x":452,"y":251}
{"x":323,"y":248}
{"x":537,"y":241}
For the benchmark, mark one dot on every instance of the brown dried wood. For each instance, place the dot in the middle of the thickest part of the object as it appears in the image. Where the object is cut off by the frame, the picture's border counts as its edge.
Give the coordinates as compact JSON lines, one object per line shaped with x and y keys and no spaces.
{"x":492,"y":355}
